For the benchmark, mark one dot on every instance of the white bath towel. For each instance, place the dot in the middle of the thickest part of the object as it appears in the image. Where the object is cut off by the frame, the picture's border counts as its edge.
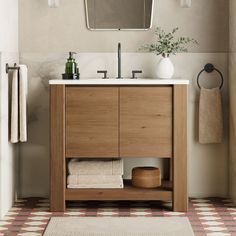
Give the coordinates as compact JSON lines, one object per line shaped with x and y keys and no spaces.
{"x":95,"y":181}
{"x":19,"y":105}
{"x":210,"y":116}
{"x":14,"y":108}
{"x":96,"y":167}
{"x":23,"y":102}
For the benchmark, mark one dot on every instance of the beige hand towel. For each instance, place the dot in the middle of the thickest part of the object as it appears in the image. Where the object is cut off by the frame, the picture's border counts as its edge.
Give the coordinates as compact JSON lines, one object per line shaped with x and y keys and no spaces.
{"x":95,"y":181}
{"x":96,"y":167}
{"x":14,"y":108}
{"x":210,"y":116}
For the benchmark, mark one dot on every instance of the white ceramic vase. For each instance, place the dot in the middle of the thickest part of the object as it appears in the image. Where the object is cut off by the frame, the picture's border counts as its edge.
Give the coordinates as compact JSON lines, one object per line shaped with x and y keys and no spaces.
{"x":165,"y":68}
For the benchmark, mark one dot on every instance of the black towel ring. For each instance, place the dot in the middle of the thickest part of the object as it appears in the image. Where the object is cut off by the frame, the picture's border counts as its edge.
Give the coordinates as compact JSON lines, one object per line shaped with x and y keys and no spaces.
{"x":210,"y":68}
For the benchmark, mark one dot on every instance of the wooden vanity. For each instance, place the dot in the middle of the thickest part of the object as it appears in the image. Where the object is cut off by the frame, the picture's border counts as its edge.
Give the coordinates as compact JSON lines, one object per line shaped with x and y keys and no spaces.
{"x":119,"y":119}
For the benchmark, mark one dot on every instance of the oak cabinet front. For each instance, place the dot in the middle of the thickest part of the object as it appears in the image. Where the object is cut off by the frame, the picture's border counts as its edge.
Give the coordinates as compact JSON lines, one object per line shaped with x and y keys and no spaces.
{"x":146,"y":122}
{"x":119,"y":121}
{"x":92,"y":122}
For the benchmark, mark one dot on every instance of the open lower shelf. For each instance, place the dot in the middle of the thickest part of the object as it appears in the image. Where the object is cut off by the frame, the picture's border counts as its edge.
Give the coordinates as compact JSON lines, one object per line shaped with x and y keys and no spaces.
{"x":117,"y":157}
{"x":127,"y":193}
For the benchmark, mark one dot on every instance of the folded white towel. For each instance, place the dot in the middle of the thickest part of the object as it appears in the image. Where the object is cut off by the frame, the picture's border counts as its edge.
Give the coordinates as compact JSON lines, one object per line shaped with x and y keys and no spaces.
{"x":19,"y":105}
{"x":95,"y":181}
{"x":94,"y":186}
{"x":96,"y":167}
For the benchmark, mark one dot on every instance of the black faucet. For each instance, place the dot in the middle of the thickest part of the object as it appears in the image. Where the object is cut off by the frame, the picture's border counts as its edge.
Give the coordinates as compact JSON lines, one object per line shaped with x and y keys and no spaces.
{"x":119,"y":61}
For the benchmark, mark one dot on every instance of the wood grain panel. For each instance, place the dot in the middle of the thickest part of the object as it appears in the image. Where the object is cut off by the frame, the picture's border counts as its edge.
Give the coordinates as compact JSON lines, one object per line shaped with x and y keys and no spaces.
{"x":128,"y":193}
{"x":92,"y":122}
{"x":57,"y":136}
{"x":180,"y":195}
{"x":146,"y":121}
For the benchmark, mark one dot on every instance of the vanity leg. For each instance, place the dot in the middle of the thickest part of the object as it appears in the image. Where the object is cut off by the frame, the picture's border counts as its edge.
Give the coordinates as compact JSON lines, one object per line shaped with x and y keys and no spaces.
{"x":57,"y":136}
{"x":180,"y":195}
{"x":171,"y":170}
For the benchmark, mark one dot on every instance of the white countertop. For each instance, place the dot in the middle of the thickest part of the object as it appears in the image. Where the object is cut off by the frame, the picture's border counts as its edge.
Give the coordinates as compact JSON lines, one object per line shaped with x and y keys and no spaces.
{"x":90,"y":81}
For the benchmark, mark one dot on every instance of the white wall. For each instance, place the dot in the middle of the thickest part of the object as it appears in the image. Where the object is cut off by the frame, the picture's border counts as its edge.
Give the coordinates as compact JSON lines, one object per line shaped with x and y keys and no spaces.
{"x":9,"y":25}
{"x":8,"y":54}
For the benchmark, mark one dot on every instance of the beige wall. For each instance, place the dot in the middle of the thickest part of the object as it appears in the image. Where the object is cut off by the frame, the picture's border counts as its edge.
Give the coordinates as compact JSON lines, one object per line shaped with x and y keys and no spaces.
{"x":44,"y":29}
{"x":232,"y":95}
{"x":47,"y":34}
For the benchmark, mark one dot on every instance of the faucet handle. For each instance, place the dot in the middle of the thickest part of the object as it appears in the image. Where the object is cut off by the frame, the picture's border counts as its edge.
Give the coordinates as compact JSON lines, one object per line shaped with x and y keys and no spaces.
{"x":134,"y":72}
{"x":104,"y":72}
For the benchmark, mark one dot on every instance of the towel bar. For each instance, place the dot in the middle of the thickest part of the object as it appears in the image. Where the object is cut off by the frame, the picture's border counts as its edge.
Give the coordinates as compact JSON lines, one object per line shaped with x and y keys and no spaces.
{"x":15,"y":67}
{"x":210,"y":68}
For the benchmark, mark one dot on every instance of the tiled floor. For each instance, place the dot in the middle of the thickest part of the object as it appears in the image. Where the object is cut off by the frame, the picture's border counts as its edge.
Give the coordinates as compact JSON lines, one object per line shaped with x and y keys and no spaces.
{"x":207,"y":216}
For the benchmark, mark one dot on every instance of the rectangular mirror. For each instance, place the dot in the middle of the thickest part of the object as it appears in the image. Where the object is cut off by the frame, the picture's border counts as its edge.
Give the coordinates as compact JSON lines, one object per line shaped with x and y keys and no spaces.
{"x":119,"y":14}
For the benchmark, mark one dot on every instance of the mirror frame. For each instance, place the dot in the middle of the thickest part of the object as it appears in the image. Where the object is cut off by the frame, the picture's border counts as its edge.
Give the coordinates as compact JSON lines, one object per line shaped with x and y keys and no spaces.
{"x":132,"y":29}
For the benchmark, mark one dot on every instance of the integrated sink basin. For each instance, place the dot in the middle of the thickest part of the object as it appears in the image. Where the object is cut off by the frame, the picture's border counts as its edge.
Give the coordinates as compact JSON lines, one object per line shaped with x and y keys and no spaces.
{"x":124,"y":81}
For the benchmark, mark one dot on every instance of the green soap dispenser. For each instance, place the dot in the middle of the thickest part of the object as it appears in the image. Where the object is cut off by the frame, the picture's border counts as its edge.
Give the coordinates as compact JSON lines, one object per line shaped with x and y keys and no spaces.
{"x":71,"y":65}
{"x":71,"y":68}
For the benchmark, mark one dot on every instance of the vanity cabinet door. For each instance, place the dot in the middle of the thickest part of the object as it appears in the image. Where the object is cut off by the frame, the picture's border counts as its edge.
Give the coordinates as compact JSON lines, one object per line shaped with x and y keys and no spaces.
{"x":146,"y":121}
{"x":92,"y":121}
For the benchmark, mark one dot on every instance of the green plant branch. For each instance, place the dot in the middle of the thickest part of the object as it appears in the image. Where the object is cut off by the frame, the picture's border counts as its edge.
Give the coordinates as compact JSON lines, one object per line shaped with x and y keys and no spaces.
{"x":167,"y":44}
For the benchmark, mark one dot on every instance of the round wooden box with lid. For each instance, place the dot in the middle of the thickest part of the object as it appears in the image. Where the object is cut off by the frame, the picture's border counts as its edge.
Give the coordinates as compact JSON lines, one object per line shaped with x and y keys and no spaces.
{"x":146,"y":177}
